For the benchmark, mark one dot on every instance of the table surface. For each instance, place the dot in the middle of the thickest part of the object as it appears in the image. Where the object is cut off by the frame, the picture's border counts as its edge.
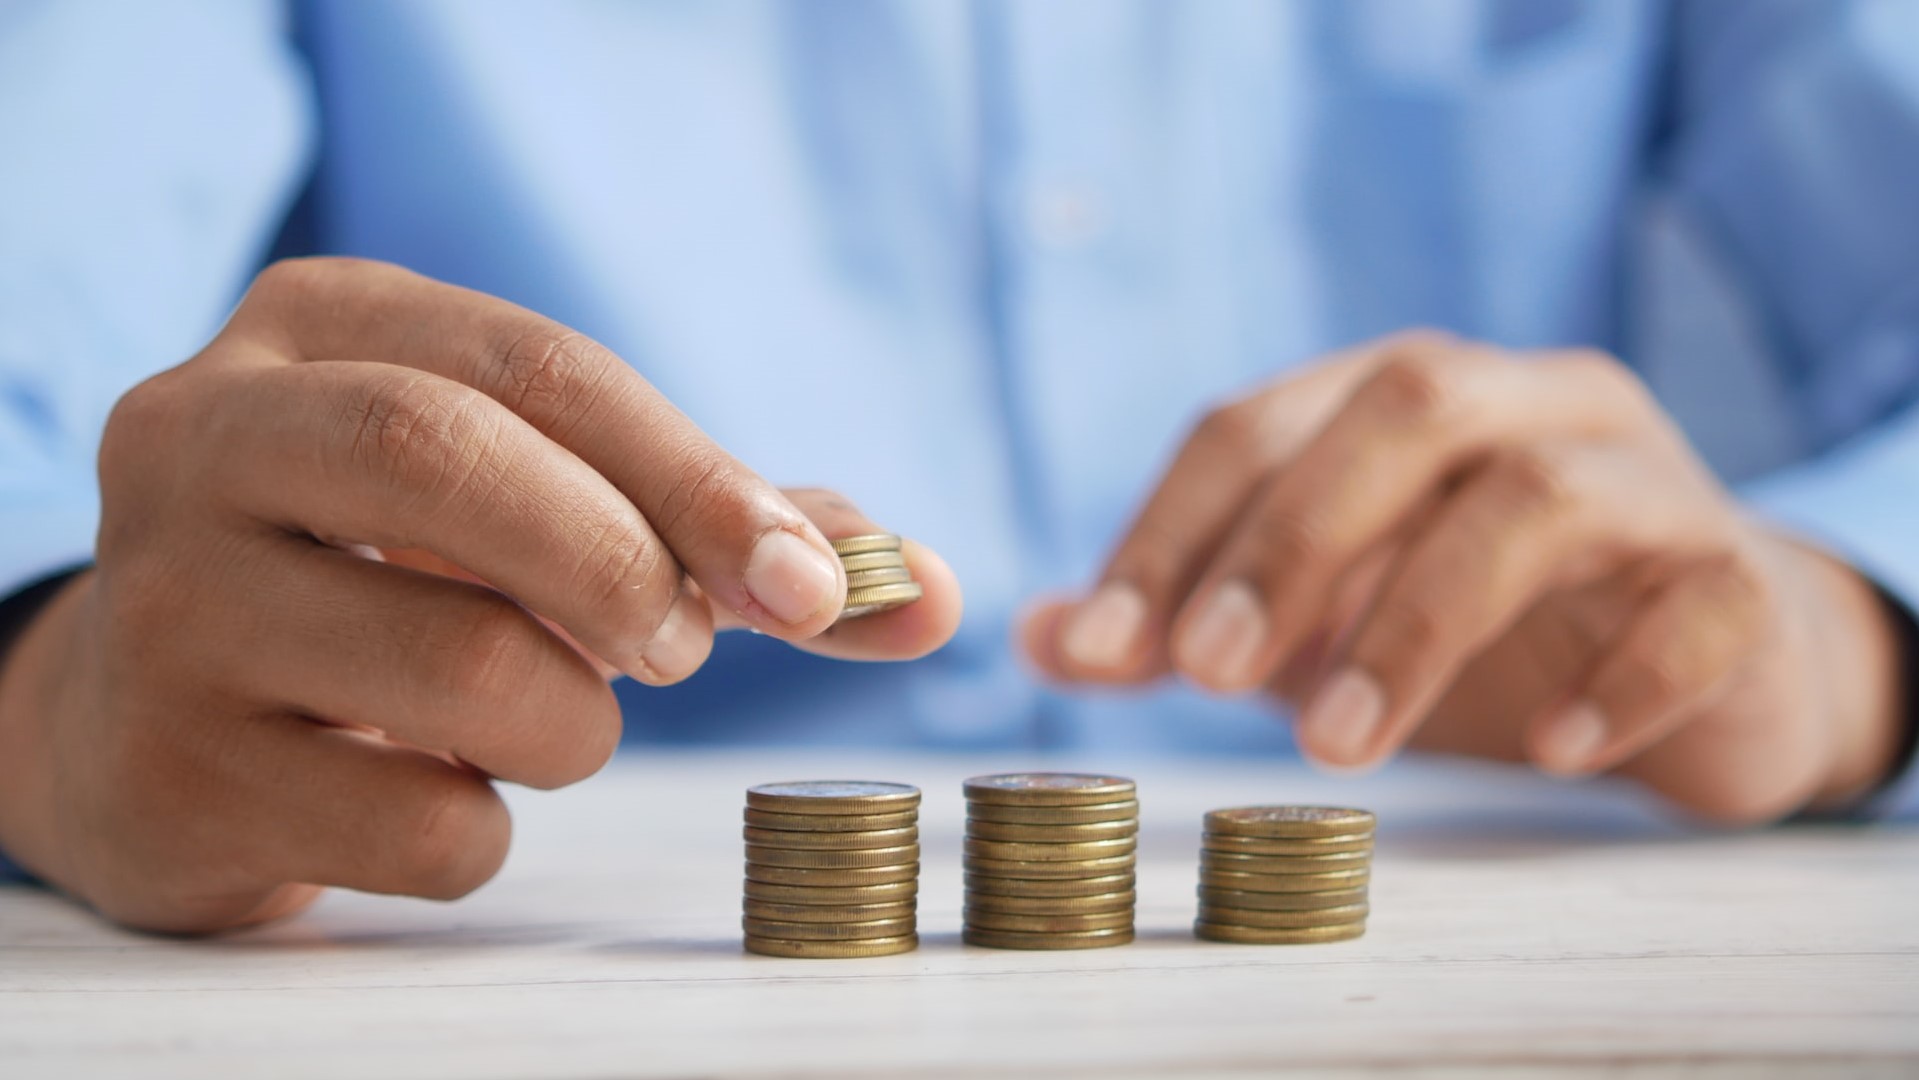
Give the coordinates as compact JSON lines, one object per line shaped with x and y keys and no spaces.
{"x":1519,"y":926}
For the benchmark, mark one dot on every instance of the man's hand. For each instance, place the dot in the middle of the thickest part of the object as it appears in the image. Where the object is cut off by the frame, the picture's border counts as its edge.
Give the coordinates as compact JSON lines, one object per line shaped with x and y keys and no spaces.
{"x":1435,"y":544}
{"x":285,"y":671}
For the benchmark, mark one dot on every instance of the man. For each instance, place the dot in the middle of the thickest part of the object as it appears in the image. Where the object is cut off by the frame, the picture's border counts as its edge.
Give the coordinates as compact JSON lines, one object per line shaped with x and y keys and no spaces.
{"x":380,"y":540}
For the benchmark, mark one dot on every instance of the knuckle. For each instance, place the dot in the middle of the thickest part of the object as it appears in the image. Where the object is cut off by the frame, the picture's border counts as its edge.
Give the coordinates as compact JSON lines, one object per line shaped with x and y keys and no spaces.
{"x":145,"y":417}
{"x":702,"y":488}
{"x":619,"y":566}
{"x":416,"y":435}
{"x":458,"y":840}
{"x":1414,"y":388}
{"x":1411,"y":626}
{"x":1288,"y":539}
{"x":1659,"y":679}
{"x":495,"y":654}
{"x":547,"y":372}
{"x":1233,"y":430}
{"x":1533,"y":481}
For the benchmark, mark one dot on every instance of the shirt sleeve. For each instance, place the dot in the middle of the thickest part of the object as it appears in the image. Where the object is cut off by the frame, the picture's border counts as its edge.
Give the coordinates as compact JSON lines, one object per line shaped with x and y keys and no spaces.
{"x":1794,"y":145}
{"x":151,"y":150}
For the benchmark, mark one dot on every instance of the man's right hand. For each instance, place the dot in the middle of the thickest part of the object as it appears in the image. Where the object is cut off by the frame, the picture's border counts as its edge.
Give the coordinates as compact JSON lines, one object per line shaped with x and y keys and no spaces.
{"x":257,"y":693}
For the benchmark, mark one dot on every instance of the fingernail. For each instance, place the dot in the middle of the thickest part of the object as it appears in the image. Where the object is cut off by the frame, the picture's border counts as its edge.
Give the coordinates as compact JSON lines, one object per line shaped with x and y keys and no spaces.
{"x":1342,"y":718}
{"x":1568,"y":742}
{"x":1223,"y":641}
{"x":677,"y":648}
{"x":1102,"y":631}
{"x":789,"y":577}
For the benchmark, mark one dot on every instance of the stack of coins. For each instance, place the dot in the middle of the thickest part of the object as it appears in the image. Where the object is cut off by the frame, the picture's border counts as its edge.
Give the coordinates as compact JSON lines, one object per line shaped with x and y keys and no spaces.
{"x":832,"y":868}
{"x":876,"y":575}
{"x":1049,"y":860}
{"x":1284,"y":875}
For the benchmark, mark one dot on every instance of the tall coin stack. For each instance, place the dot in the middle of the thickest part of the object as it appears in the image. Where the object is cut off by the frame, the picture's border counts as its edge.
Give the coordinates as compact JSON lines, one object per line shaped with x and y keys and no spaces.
{"x":832,"y":868}
{"x":1284,"y":875}
{"x":1049,"y":860}
{"x":876,"y":575}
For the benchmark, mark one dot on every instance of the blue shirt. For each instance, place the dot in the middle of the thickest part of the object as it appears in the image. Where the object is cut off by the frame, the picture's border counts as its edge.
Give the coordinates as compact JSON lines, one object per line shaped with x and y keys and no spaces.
{"x":980,"y":265}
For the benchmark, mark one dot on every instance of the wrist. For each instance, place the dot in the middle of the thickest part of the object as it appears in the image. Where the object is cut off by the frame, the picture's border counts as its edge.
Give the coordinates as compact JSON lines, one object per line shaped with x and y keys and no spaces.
{"x":1855,"y":639}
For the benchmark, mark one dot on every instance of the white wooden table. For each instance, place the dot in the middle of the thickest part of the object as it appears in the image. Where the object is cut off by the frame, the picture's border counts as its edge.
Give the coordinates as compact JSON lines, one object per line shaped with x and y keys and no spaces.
{"x":1518,"y":926}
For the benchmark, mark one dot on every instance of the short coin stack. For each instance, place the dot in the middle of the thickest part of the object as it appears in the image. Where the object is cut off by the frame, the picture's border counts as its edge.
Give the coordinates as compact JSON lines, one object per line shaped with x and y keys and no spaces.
{"x":1049,"y":860}
{"x":876,"y":575}
{"x":1284,"y":875}
{"x":832,"y":868}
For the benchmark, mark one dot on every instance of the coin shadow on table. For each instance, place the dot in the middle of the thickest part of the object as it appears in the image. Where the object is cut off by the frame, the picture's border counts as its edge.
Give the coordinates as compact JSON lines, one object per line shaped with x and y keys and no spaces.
{"x":317,"y":936}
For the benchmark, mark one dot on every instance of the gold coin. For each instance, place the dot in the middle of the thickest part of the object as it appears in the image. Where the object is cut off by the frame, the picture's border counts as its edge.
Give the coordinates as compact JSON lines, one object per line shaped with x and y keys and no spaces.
{"x":1254,"y":935}
{"x":877,"y":598}
{"x":843,"y":896}
{"x":833,"y":797}
{"x":886,"y":575}
{"x":821,"y":931}
{"x":831,"y":841}
{"x":873,"y":560}
{"x":1257,"y":845}
{"x":768,"y":819}
{"x":1098,"y":903}
{"x":985,"y":885}
{"x":1285,"y":864}
{"x":1088,"y":849}
{"x":1051,"y":871}
{"x":829,"y":913}
{"x":1013,"y":939}
{"x":831,"y":879}
{"x":1051,"y":834}
{"x":860,"y":545}
{"x":1289,"y":822}
{"x":1283,"y":920}
{"x":902,"y":855}
{"x":832,"y":950}
{"x":1094,"y":813}
{"x":1048,"y":789}
{"x":1283,"y":883}
{"x":1276,"y":901}
{"x":1049,"y":924}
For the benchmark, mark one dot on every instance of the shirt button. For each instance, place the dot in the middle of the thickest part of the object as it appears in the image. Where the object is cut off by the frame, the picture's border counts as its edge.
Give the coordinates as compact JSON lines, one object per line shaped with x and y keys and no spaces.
{"x":1064,"y":217}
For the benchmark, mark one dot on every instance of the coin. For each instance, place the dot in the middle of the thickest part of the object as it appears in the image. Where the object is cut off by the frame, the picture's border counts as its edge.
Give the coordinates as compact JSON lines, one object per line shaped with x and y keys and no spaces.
{"x":877,"y":598}
{"x":1283,"y":920}
{"x":1285,"y":864}
{"x":1054,"y":815}
{"x":1050,"y":871}
{"x":833,"y":879}
{"x":768,"y":819}
{"x":833,"y":797}
{"x":1051,"y":905}
{"x":1254,"y":935}
{"x":849,"y":895}
{"x":1089,"y":849}
{"x":1050,"y":834}
{"x":1013,"y":939}
{"x":984,"y":884}
{"x":823,"y":931}
{"x":1259,"y":845}
{"x":830,"y":913}
{"x":904,"y":854}
{"x":1262,"y":901}
{"x":832,"y":950}
{"x":873,"y":560}
{"x":859,"y":545}
{"x":1048,"y":924}
{"x":831,"y":841}
{"x":1048,"y":789}
{"x":885,"y":575}
{"x":1289,"y":822}
{"x":1283,"y":883}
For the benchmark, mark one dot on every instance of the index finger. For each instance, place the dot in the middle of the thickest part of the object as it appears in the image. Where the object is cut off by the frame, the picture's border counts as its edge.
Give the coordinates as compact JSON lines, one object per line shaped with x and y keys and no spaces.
{"x":751,"y":551}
